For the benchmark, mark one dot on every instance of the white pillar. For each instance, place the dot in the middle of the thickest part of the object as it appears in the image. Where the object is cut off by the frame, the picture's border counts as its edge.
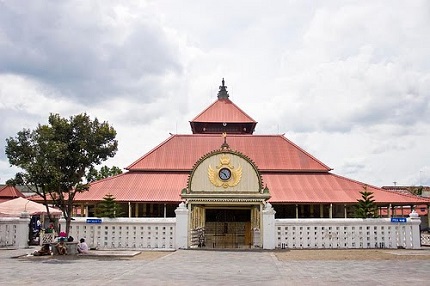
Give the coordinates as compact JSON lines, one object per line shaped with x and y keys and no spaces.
{"x":22,"y":230}
{"x":269,"y":230}
{"x":181,"y":226}
{"x":416,"y":234}
{"x":331,"y":211}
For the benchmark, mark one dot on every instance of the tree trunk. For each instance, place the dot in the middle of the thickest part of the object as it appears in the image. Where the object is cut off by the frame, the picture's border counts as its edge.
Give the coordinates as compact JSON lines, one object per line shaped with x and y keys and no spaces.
{"x":68,"y":221}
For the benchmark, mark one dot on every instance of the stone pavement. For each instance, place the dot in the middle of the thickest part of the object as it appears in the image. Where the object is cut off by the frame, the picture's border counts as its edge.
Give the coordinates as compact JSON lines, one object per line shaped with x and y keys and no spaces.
{"x":198,"y":267}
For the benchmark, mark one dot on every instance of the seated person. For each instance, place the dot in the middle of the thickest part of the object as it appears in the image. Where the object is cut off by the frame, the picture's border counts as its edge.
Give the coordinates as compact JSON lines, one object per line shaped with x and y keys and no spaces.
{"x":45,"y":250}
{"x":61,"y":248}
{"x":82,"y":246}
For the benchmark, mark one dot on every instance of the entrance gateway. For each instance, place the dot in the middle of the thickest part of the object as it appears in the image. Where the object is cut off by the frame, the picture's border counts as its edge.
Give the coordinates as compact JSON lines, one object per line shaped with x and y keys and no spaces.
{"x":225,"y":199}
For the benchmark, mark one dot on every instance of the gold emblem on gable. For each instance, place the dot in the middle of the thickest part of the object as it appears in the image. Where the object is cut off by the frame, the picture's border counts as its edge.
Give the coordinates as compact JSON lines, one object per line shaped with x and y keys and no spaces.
{"x":225,"y":175}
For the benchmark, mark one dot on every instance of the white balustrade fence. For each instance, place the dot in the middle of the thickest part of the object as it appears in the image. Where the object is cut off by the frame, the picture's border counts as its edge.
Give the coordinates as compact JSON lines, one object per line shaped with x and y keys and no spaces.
{"x":14,"y":232}
{"x":347,"y":233}
{"x":124,"y":233}
{"x":425,"y":239}
{"x":171,"y":233}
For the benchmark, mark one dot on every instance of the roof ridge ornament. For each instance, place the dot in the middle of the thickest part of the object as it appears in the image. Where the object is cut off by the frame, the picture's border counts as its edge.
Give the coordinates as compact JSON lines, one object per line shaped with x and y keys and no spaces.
{"x":223,"y":93}
{"x":225,"y":145}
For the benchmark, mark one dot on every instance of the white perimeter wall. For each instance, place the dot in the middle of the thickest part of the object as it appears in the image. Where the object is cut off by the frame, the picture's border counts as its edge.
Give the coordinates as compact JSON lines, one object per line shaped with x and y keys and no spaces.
{"x":123,"y":233}
{"x":171,"y":233}
{"x":14,"y":232}
{"x":347,"y":233}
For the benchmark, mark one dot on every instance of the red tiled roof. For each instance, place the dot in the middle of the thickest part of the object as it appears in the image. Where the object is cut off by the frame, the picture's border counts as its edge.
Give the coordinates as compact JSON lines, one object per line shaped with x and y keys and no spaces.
{"x":284,"y":188}
{"x":421,"y":210}
{"x":137,"y":186}
{"x":407,"y":189}
{"x":223,"y":110}
{"x":10,"y":192}
{"x":269,"y":152}
{"x":327,"y":188}
{"x":291,"y":174}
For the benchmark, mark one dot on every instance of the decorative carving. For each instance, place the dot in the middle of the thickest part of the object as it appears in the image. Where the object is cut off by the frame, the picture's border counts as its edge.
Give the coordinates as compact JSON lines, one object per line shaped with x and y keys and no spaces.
{"x":216,"y":152}
{"x":225,"y":145}
{"x":220,"y":179}
{"x":223,"y":93}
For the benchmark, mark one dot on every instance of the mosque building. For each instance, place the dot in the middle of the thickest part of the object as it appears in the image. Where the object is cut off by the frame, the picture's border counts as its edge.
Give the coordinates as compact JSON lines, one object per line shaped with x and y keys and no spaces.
{"x":225,"y":175}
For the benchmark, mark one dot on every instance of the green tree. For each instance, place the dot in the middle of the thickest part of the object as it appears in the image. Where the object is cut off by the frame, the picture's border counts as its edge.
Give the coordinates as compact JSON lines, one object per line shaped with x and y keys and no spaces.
{"x":56,"y":157}
{"x":366,"y":206}
{"x":417,"y":191}
{"x":108,"y":207}
{"x":104,"y":172}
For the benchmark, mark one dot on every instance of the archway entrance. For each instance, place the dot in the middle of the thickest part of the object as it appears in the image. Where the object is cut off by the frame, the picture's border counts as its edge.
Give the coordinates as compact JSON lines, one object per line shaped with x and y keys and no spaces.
{"x":228,"y":228}
{"x":225,"y":198}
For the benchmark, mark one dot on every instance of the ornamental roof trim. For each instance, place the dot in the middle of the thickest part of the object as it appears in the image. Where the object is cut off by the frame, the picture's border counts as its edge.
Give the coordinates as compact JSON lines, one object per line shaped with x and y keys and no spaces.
{"x":224,"y":151}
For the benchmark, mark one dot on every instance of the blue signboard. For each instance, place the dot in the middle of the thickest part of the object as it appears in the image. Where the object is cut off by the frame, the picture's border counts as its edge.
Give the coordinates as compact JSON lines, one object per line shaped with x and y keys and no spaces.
{"x":398,"y":219}
{"x":94,"y":220}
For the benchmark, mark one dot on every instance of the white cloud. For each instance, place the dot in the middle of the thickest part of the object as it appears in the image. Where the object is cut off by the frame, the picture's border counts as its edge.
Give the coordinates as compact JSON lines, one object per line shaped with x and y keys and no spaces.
{"x":348,"y":81}
{"x":89,"y":51}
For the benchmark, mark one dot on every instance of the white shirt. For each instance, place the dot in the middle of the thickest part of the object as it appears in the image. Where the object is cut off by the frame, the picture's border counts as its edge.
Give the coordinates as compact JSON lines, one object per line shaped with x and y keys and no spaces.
{"x":82,"y":247}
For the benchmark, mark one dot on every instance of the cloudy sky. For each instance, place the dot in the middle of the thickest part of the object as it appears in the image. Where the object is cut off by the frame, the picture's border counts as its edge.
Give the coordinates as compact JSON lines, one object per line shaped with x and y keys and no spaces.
{"x":348,"y":81}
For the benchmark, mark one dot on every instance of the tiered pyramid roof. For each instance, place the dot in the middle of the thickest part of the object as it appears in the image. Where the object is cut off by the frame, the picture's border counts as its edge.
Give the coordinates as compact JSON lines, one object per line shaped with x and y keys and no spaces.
{"x":292,"y":175}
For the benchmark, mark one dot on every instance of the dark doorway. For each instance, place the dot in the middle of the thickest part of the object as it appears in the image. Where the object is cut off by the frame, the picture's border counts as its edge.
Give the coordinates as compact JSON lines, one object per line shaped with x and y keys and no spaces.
{"x":228,"y":215}
{"x":228,"y":228}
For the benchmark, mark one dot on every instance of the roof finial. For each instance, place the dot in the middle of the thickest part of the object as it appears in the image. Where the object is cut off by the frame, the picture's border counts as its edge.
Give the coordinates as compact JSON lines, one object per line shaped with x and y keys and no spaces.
{"x":223,"y":93}
{"x":225,"y":145}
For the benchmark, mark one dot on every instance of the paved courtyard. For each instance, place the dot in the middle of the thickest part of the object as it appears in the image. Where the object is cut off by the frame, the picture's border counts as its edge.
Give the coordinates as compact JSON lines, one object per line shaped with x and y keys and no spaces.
{"x":193,"y":267}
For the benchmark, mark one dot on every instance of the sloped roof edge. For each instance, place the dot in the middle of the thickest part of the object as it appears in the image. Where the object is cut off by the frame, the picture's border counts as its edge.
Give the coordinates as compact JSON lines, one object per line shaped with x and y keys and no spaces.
{"x":303,"y":150}
{"x":219,"y":100}
{"x":423,"y":199}
{"x":150,"y":152}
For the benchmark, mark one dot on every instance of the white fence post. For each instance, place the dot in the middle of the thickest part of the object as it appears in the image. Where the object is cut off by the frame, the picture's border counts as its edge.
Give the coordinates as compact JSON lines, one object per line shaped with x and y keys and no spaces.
{"x":416,"y":234}
{"x":181,"y":226}
{"x":14,"y":231}
{"x":23,"y":230}
{"x":269,"y":232}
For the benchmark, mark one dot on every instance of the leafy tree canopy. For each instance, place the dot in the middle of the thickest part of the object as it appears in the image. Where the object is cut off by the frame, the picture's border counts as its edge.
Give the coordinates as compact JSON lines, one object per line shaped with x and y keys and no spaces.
{"x":104,"y":172}
{"x":56,"y":157}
